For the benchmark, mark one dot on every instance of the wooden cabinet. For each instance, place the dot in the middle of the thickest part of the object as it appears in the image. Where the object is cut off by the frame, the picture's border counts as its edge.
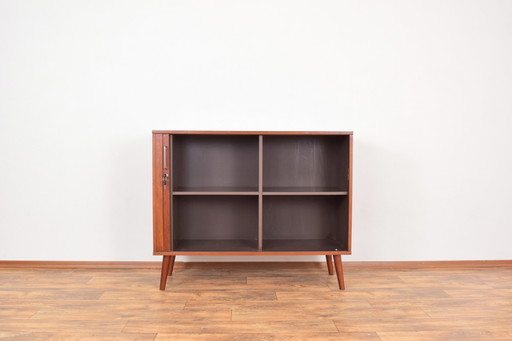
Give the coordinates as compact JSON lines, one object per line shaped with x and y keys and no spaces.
{"x":252,"y":193}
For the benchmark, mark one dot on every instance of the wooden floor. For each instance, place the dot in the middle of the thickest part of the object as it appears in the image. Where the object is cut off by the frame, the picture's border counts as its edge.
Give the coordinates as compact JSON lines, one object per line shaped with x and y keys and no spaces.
{"x":263,"y":301}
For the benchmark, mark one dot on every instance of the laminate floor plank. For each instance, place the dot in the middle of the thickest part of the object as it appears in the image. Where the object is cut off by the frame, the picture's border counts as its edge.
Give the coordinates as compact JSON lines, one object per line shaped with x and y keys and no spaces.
{"x":338,"y":295}
{"x":466,"y":335}
{"x":411,"y":324}
{"x":15,"y":311}
{"x":90,"y":336}
{"x":269,"y":337}
{"x":230,"y":327}
{"x":189,"y":314}
{"x":79,"y":293}
{"x":303,"y":312}
{"x":61,"y":325}
{"x":30,"y":282}
{"x":313,"y":306}
{"x":174,"y":284}
{"x":147,"y":295}
{"x":132,"y":306}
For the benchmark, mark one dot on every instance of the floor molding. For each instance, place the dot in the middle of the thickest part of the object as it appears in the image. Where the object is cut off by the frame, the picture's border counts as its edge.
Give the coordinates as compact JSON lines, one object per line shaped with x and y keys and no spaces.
{"x":430,"y":264}
{"x":347,"y":265}
{"x":79,"y":265}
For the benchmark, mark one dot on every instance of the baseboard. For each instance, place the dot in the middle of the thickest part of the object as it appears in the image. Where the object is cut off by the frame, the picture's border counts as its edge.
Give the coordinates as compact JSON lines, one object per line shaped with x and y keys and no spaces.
{"x":79,"y":265}
{"x":430,"y":264}
{"x":346,"y":265}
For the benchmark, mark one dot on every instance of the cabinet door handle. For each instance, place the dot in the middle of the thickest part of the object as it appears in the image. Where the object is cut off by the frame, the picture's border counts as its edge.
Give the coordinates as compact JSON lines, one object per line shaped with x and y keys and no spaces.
{"x":165,"y":157}
{"x":165,"y":179}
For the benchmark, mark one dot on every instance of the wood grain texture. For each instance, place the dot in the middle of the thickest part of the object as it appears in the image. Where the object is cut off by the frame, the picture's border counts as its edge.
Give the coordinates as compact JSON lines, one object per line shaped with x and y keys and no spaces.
{"x":165,"y":271}
{"x":166,"y":233}
{"x":74,"y":336}
{"x":339,"y":271}
{"x":270,"y":337}
{"x":249,"y":253}
{"x":171,"y":266}
{"x":231,"y":132}
{"x":257,"y":301}
{"x":158,"y":194}
{"x":330,"y":268}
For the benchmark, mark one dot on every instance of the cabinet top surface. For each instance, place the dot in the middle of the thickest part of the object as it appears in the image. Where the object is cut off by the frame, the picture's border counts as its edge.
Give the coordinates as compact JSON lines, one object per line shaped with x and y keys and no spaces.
{"x":227,"y":132}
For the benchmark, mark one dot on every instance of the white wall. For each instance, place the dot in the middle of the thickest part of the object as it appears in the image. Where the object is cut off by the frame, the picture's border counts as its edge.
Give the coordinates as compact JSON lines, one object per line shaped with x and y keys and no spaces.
{"x":425,"y":85}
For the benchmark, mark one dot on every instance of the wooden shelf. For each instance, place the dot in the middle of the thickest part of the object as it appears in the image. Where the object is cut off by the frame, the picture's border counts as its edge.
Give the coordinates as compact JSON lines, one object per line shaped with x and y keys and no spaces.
{"x":217,"y":245}
{"x":302,"y":245}
{"x":303,"y":191}
{"x":254,"y":191}
{"x":215,"y":191}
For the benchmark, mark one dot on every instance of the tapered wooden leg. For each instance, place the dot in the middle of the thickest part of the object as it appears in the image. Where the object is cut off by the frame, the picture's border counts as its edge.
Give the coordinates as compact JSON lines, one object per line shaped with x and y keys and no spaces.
{"x":171,"y":266}
{"x":165,"y":270}
{"x":339,"y":271}
{"x":329,"y":264}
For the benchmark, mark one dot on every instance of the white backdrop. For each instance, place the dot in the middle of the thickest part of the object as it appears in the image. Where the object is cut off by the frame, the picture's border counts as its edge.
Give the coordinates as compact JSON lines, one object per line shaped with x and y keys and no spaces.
{"x":425,"y":86}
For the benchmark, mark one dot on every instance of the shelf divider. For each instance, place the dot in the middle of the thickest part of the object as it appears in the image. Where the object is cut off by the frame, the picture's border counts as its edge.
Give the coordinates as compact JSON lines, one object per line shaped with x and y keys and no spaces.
{"x":314,"y":190}
{"x":260,"y":194}
{"x":306,"y":193}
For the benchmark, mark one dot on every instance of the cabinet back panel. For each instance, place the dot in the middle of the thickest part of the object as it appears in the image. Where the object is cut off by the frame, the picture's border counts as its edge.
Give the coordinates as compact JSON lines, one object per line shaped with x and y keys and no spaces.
{"x":215,"y":217}
{"x":304,"y":217}
{"x":203,"y":161}
{"x":305,"y":161}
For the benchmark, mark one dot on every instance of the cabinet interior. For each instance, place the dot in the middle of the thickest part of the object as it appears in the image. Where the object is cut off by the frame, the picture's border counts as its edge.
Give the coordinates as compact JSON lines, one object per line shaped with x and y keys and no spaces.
{"x":304,"y":223}
{"x":260,"y":193}
{"x":305,"y":163}
{"x":215,"y":223}
{"x":214,"y":163}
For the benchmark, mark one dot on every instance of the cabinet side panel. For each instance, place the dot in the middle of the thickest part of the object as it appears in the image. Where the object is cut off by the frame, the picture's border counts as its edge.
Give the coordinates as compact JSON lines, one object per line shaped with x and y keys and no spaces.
{"x":158,"y":202}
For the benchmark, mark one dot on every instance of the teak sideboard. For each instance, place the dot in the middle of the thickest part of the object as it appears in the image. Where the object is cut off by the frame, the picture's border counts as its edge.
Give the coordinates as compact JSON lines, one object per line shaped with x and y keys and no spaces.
{"x":252,"y":193}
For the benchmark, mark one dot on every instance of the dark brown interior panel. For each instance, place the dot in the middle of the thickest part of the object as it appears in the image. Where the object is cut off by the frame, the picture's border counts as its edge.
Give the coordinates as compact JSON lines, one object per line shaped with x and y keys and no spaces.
{"x":305,"y":223}
{"x":213,"y":162}
{"x":315,"y":162}
{"x":215,"y":223}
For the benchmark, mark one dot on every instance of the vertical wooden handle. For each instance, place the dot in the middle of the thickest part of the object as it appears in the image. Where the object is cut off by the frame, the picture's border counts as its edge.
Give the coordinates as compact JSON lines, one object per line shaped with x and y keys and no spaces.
{"x":165,"y":157}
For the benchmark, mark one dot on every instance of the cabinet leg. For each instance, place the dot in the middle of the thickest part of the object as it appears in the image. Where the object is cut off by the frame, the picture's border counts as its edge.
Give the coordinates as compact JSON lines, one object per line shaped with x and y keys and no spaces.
{"x":329,"y":264}
{"x":339,"y":271}
{"x":171,"y":266}
{"x":165,"y":270}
